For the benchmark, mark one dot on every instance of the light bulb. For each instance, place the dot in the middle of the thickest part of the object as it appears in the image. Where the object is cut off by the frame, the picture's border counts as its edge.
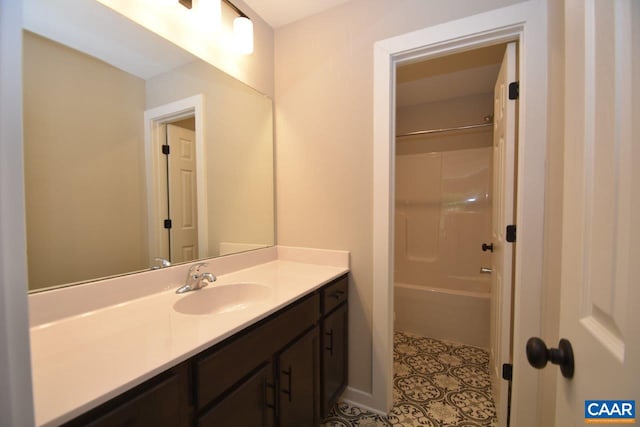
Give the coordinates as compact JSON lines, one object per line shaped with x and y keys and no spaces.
{"x":208,"y":13}
{"x":243,"y":35}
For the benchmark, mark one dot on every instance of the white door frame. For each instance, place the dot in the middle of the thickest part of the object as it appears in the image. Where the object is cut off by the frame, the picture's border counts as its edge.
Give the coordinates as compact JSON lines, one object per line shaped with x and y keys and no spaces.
{"x":527,"y":23}
{"x":16,"y":394}
{"x":154,"y":119}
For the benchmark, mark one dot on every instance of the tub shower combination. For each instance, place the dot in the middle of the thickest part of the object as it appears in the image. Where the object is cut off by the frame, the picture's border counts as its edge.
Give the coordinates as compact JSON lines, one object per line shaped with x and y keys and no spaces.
{"x":443,"y":215}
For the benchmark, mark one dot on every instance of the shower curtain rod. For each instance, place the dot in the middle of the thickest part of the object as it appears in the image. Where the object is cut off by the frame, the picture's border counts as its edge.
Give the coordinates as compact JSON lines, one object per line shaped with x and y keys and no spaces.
{"x":430,"y":131}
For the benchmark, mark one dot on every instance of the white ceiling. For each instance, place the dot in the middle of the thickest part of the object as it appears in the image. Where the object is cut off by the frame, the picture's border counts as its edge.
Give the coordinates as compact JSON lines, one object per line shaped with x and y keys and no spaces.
{"x":453,"y":76}
{"x":282,"y":12}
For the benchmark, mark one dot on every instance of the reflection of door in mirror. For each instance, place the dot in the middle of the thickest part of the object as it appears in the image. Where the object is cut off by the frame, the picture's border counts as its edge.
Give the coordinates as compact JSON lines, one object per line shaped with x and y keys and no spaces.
{"x":181,"y":191}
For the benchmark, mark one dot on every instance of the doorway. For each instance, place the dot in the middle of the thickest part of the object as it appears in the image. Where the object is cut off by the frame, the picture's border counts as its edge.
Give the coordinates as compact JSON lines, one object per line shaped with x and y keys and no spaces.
{"x":454,"y":193}
{"x":192,"y":242}
{"x":511,"y":23}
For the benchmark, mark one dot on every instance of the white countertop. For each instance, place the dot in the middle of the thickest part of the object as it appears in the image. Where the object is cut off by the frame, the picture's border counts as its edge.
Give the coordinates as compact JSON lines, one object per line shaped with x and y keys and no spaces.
{"x":81,"y":361}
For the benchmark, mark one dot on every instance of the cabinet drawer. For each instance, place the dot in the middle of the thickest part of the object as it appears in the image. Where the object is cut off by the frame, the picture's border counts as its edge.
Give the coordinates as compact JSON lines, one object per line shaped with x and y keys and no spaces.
{"x":334,"y":294}
{"x":230,"y":361}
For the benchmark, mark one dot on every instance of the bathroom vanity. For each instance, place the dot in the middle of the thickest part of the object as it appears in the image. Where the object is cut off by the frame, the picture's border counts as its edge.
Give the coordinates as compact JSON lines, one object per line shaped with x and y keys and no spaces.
{"x":280,"y":371}
{"x":266,"y":344}
{"x":279,"y":359}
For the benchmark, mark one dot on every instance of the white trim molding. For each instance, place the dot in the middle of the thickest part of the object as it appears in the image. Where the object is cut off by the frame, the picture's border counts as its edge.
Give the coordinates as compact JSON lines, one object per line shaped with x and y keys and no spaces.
{"x":153,"y":139}
{"x":16,"y":396}
{"x":360,"y":399}
{"x":526,"y":23}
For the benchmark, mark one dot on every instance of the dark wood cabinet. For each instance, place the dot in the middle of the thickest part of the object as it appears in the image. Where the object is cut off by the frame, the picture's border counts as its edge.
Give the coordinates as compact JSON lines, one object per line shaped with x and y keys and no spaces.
{"x":284,"y":371}
{"x":251,"y":403}
{"x":299,"y":383}
{"x":334,"y":329}
{"x":334,"y":356}
{"x":218,"y":371}
{"x":163,"y":400}
{"x":334,"y":294}
{"x":225,"y":364}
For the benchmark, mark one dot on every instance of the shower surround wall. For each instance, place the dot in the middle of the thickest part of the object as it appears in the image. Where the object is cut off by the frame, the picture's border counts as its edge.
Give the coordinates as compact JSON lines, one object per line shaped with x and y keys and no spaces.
{"x":442,"y":217}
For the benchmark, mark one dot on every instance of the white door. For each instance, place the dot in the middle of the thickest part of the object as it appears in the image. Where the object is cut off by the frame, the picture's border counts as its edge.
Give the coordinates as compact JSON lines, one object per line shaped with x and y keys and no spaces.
{"x":504,"y":120}
{"x":600,"y":288}
{"x":183,"y":209}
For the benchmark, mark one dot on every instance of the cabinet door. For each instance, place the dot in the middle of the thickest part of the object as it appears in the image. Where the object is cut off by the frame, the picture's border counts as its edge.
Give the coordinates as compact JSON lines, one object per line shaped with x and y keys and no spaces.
{"x":334,"y":357}
{"x":251,"y":404}
{"x":299,"y":382}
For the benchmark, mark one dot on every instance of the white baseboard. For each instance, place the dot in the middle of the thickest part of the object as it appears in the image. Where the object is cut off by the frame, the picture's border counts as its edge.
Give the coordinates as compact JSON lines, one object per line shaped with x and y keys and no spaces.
{"x":360,"y":399}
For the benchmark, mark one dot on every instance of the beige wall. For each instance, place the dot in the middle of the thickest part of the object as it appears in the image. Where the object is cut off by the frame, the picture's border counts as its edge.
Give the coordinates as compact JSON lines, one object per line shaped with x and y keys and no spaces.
{"x":324,"y":110}
{"x":461,"y":111}
{"x":238,"y":133}
{"x":84,"y":166}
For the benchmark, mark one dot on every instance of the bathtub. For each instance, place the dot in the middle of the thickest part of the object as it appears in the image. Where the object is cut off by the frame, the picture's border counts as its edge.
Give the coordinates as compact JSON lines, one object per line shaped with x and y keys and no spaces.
{"x":449,"y":314}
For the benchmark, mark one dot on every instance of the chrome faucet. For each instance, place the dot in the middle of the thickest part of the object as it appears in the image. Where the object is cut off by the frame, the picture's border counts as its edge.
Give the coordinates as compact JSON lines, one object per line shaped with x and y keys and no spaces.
{"x":196,"y":280}
{"x":160,"y":263}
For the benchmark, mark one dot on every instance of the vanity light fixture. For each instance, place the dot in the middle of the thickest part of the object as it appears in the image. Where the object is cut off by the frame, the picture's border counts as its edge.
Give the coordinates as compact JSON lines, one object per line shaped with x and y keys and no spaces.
{"x":242,"y":31}
{"x":242,"y":25}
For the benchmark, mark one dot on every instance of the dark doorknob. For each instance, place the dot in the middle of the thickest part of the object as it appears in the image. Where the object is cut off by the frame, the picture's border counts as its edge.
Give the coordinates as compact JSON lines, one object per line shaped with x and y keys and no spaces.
{"x":538,"y":355}
{"x":488,"y":247}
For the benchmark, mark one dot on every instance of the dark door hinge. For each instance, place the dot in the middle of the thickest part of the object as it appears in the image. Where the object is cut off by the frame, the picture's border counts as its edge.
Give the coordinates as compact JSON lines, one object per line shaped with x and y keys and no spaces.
{"x":511,"y":233}
{"x":507,"y":371}
{"x":167,"y":223}
{"x":514,"y":90}
{"x":166,"y":149}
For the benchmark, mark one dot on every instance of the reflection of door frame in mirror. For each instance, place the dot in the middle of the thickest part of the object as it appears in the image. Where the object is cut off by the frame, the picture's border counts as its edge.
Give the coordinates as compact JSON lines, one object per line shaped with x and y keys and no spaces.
{"x":154,"y":121}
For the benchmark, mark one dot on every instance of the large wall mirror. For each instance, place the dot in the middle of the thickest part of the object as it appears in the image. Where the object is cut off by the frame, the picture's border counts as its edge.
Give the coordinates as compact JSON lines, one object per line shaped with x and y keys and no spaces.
{"x":135,"y":150}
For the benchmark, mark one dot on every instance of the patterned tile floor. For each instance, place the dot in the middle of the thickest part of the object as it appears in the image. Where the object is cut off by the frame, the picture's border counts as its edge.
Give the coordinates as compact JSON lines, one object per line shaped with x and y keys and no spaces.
{"x":435,"y":384}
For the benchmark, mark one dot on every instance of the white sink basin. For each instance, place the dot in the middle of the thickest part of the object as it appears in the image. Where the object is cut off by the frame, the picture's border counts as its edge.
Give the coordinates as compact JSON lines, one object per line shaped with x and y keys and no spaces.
{"x":223,"y":298}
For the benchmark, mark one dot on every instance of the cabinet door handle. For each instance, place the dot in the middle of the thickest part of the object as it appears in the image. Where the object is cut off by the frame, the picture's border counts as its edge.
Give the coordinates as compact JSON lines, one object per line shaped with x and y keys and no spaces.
{"x":288,"y":391}
{"x":337,"y":294}
{"x":330,"y":348}
{"x":268,"y":386}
